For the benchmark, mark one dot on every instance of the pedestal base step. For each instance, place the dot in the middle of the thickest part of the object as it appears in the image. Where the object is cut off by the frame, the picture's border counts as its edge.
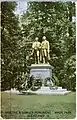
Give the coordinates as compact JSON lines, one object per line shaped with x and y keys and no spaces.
{"x":47,"y":90}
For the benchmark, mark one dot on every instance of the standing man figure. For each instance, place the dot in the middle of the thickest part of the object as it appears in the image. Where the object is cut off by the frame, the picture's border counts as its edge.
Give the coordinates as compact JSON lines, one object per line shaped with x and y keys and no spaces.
{"x":45,"y":50}
{"x":36,"y":50}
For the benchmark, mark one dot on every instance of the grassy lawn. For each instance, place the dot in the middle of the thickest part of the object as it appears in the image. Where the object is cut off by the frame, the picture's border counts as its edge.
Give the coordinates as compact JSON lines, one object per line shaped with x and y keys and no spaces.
{"x":38,"y":106}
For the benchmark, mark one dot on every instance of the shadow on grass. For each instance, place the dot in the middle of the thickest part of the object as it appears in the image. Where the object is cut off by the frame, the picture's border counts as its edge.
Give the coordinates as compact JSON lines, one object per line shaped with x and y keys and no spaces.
{"x":27,"y":93}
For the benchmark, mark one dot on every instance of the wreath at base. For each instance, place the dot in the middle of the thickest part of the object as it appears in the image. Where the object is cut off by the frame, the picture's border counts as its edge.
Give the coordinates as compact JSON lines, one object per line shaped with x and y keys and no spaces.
{"x":36,"y":84}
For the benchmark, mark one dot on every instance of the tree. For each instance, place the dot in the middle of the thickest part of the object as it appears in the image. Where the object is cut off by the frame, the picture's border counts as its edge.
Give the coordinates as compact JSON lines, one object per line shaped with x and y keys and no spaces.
{"x":9,"y":47}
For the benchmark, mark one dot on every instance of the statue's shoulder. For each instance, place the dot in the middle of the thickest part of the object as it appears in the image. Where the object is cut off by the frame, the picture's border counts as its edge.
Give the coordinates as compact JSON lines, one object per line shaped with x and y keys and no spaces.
{"x":47,"y":41}
{"x":43,"y":41}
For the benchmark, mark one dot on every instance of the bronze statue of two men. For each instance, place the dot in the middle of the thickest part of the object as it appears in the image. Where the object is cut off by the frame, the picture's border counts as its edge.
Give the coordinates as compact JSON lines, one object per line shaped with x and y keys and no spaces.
{"x":41,"y":51}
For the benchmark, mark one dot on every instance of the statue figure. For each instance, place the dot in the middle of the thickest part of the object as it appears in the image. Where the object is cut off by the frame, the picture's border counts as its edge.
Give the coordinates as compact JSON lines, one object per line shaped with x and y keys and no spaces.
{"x":45,"y":50}
{"x":36,"y":50}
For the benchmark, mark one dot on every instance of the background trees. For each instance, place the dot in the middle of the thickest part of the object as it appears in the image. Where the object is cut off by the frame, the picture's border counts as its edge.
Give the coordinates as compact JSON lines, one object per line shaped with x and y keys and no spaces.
{"x":52,"y":19}
{"x":9,"y":47}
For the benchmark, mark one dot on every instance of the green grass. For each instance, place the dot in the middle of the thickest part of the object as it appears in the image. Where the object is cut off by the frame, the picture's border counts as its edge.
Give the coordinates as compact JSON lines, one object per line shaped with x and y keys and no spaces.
{"x":38,"y":106}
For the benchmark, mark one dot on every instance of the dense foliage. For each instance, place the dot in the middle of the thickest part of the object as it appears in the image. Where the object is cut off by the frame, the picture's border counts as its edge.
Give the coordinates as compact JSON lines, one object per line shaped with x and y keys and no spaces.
{"x":52,"y":19}
{"x":9,"y":47}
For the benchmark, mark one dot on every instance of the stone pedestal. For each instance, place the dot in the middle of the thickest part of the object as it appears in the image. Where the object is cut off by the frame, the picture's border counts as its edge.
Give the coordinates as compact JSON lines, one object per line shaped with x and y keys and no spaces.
{"x":44,"y":71}
{"x":41,"y":70}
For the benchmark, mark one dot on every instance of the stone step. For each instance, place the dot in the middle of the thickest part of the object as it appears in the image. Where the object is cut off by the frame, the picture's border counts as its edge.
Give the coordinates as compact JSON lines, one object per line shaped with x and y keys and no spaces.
{"x":47,"y":90}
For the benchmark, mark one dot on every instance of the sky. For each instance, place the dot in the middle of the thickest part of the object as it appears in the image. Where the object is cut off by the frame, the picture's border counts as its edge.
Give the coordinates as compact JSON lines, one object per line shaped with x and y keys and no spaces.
{"x":21,"y":7}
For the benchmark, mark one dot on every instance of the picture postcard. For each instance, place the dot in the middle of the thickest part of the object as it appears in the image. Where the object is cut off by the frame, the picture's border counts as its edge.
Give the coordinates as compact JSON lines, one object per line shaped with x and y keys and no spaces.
{"x":38,"y":59}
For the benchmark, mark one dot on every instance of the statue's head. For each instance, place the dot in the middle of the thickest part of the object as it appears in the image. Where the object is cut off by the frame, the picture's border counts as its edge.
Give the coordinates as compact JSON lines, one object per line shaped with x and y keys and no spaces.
{"x":36,"y":38}
{"x":44,"y":38}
